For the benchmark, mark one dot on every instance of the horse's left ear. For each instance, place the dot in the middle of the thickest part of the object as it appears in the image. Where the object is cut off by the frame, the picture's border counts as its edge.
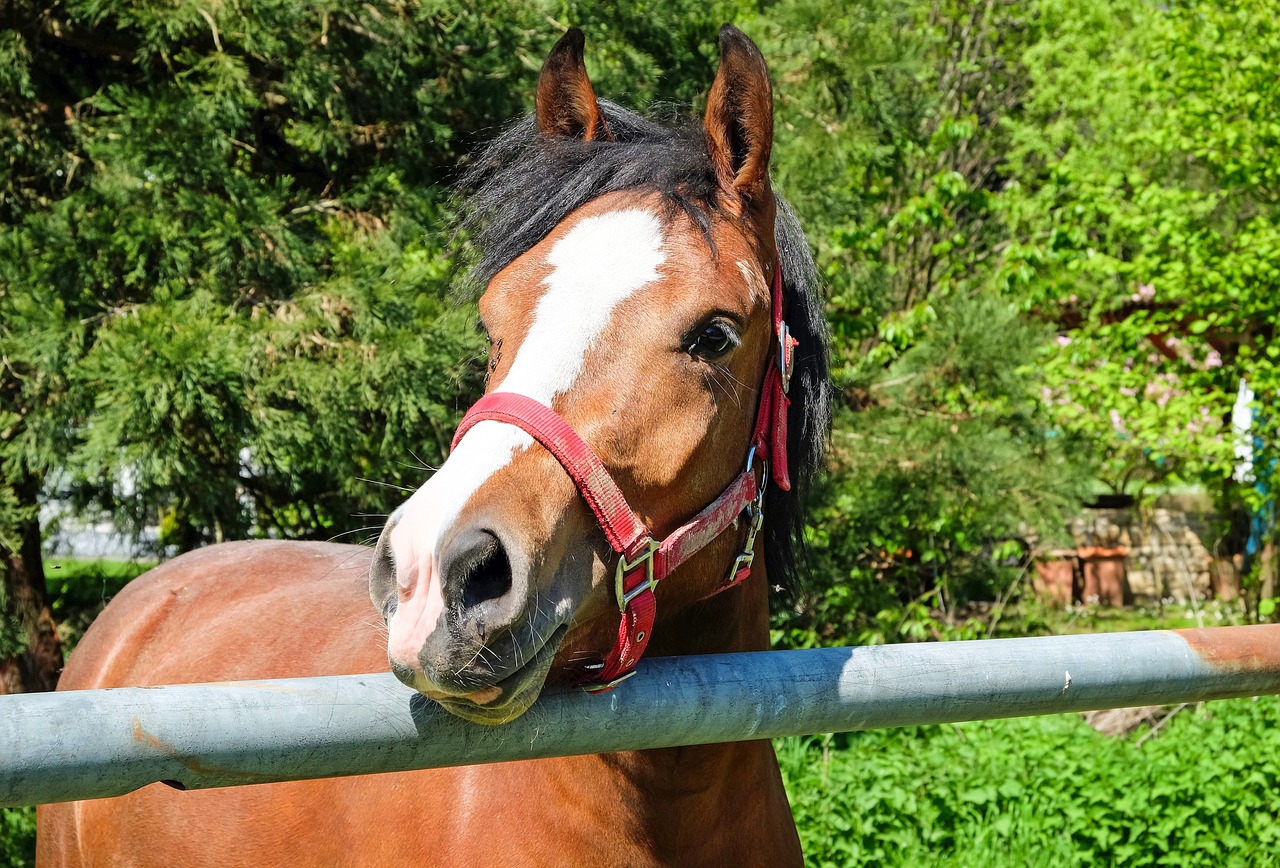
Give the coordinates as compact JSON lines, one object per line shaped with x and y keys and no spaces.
{"x":739,"y":119}
{"x":566,"y":102}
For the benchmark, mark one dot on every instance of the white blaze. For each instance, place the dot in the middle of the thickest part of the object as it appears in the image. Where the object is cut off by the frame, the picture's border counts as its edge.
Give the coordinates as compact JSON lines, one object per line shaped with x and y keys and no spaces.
{"x":600,"y":263}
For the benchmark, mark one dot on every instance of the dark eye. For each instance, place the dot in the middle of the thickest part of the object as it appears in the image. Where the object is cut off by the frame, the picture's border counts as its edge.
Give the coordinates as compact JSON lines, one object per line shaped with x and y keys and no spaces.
{"x":713,"y":340}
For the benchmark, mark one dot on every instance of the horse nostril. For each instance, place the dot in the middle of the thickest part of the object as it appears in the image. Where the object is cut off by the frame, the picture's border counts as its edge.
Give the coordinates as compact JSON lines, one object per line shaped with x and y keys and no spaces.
{"x":480,"y":569}
{"x":489,"y":577}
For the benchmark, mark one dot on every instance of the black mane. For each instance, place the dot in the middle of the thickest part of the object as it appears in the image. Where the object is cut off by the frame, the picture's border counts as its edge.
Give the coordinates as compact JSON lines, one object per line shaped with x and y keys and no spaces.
{"x":522,"y":185}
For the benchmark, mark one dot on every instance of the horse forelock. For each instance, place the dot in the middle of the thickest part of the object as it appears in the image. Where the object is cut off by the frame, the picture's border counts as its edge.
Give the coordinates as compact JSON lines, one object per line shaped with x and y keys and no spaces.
{"x":520,"y":186}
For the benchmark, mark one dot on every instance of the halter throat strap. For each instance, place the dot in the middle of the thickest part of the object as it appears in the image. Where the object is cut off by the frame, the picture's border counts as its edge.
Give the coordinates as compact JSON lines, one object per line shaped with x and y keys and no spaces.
{"x":643,"y":562}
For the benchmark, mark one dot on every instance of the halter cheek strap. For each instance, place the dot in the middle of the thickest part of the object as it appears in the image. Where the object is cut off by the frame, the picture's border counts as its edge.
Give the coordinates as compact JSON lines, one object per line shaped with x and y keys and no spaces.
{"x":643,"y":562}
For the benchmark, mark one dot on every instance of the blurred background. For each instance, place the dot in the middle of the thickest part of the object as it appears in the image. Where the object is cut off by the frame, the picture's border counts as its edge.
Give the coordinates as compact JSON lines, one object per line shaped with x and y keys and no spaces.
{"x":1050,"y":238}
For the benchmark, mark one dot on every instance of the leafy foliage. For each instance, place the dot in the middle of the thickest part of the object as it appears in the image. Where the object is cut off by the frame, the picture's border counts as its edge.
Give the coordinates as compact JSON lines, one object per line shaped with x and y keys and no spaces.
{"x":224,"y":280}
{"x":224,"y":294}
{"x":235,"y":221}
{"x":895,"y":148}
{"x":18,"y":837}
{"x":935,"y":486}
{"x":1043,"y":791}
{"x":1048,"y":229}
{"x":1145,"y":226}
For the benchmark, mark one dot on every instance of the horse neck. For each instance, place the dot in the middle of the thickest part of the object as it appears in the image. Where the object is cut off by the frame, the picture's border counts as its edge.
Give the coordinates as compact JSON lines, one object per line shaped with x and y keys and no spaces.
{"x":736,"y":619}
{"x":677,"y":794}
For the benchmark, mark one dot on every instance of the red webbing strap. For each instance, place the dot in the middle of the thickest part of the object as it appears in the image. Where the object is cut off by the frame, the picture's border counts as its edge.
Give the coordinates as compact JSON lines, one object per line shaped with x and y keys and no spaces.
{"x":770,"y":435}
{"x":642,"y":561}
{"x":626,"y":534}
{"x":689,"y":539}
{"x":622,"y":527}
{"x":633,"y":637}
{"x":648,"y":561}
{"x":640,"y":611}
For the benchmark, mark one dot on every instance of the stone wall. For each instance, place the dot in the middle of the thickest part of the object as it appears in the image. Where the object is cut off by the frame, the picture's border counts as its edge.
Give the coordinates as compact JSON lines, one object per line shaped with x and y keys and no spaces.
{"x":1165,"y":550}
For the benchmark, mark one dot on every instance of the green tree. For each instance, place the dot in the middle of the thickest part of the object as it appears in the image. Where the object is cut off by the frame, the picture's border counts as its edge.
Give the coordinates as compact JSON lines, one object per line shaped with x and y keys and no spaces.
{"x":1147,"y":228}
{"x":225,"y":280}
{"x":218,"y":281}
{"x":893,"y":146}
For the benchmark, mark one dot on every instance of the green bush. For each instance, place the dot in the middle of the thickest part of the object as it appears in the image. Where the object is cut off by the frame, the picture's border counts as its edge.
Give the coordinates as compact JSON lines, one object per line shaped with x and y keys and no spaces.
{"x":1043,"y":791}
{"x":18,"y":837}
{"x":80,"y":589}
{"x":931,"y":492}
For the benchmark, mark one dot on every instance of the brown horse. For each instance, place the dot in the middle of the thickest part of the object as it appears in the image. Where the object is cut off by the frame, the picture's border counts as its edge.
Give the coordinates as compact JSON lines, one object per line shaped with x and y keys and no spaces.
{"x":628,"y":270}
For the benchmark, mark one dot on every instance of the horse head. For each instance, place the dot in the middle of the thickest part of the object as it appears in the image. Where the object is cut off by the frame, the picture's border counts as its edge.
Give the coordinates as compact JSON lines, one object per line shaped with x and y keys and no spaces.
{"x":634,"y":306}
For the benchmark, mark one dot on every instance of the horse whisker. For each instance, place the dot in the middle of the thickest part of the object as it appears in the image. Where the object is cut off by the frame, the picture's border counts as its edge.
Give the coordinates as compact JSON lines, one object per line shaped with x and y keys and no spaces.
{"x":384,"y":484}
{"x":353,"y":530}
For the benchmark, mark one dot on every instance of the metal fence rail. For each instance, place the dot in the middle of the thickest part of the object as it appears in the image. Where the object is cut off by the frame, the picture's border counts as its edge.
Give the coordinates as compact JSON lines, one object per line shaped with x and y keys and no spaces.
{"x":95,"y":743}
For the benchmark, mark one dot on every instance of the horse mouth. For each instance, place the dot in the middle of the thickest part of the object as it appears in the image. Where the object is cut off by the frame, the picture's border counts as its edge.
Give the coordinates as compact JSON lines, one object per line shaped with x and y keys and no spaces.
{"x":509,"y":698}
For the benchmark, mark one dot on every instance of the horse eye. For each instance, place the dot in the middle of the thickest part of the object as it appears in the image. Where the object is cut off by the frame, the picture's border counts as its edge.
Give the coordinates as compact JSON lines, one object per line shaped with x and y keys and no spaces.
{"x":714,"y":340}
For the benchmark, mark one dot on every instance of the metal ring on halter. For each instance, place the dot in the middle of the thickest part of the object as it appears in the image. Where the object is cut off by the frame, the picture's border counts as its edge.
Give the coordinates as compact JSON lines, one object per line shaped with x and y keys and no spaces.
{"x":785,"y":355}
{"x":764,"y":476}
{"x":644,"y":559}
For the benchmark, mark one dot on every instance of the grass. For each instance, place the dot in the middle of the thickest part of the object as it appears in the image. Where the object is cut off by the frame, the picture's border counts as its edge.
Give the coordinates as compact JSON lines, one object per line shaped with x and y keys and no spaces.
{"x":1044,"y":791}
{"x":1030,"y":618}
{"x":73,"y":581}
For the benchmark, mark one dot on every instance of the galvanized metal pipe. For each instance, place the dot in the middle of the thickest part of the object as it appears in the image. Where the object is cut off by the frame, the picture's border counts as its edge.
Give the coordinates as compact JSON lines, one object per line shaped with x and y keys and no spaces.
{"x":94,"y":743}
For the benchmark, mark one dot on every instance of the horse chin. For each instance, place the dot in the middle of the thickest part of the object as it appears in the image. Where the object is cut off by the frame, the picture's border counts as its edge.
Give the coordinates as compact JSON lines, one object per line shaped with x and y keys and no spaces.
{"x":515,"y":693}
{"x":491,"y":715}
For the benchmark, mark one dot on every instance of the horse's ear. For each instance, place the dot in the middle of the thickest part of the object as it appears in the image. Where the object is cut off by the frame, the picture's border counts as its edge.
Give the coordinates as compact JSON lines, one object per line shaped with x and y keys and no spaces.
{"x":739,"y":118}
{"x":566,"y":104}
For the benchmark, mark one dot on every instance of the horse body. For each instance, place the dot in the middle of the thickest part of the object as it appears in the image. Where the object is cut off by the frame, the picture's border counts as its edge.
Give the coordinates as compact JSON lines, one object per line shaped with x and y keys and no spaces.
{"x":628,"y":271}
{"x":688,"y":806}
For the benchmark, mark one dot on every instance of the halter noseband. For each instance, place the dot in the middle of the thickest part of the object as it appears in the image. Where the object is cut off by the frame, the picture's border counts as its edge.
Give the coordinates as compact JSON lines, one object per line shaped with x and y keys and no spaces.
{"x":643,"y":562}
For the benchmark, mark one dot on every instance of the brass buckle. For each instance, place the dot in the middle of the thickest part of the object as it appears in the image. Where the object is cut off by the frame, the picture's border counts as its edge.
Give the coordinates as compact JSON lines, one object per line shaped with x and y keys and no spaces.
{"x":646,"y":559}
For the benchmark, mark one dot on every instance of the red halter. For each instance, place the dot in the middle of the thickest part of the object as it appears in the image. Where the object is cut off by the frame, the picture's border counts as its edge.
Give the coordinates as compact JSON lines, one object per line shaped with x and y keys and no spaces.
{"x":642,"y":561}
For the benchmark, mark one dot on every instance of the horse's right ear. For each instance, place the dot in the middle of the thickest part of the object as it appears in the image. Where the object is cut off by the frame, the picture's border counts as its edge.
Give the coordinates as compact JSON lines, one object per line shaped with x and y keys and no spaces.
{"x":566,"y":104}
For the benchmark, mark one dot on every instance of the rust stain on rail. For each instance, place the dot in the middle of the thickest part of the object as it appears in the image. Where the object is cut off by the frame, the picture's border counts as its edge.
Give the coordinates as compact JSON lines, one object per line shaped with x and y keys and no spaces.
{"x":1237,"y":649}
{"x":204,"y":770}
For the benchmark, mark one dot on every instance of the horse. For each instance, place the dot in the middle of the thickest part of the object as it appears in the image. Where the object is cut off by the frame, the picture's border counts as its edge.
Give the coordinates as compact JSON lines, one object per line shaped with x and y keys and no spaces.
{"x":633,"y":480}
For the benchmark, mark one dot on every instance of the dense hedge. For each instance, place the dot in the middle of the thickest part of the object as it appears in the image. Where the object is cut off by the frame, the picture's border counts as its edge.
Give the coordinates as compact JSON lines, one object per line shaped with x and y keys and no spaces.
{"x":226,"y":267}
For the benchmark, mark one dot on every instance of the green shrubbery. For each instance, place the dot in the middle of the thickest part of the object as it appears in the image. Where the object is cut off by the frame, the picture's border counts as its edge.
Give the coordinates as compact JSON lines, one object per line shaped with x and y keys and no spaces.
{"x":17,"y":837}
{"x":1044,"y":791}
{"x":227,"y":267}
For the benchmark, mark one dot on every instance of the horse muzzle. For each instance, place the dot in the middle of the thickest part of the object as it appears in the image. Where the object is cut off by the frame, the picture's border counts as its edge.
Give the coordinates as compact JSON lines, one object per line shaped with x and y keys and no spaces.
{"x":461,"y":629}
